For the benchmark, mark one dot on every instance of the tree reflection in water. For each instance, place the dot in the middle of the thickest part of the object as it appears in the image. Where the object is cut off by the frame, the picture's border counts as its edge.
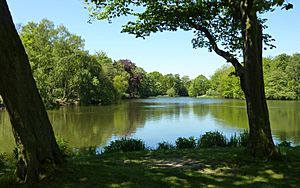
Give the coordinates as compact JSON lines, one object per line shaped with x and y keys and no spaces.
{"x":158,"y":119}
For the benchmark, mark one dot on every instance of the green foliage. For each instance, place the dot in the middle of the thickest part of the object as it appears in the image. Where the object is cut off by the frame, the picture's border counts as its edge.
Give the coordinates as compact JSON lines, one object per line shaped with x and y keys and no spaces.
{"x":145,"y":89}
{"x":198,"y":86}
{"x":154,"y":83}
{"x":171,"y":92}
{"x":185,"y":143}
{"x":53,"y":54}
{"x":222,"y":19}
{"x":63,"y":71}
{"x":129,"y":80}
{"x":243,"y":138}
{"x":225,"y":84}
{"x":212,"y":139}
{"x":234,"y":141}
{"x":282,"y":77}
{"x":125,"y":145}
{"x":239,"y":141}
{"x":213,"y":22}
{"x":165,"y":146}
{"x":121,"y":84}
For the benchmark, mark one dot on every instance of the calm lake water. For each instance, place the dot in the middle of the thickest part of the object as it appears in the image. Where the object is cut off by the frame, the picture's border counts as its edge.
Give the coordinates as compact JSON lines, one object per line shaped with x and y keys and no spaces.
{"x":159,"y":119}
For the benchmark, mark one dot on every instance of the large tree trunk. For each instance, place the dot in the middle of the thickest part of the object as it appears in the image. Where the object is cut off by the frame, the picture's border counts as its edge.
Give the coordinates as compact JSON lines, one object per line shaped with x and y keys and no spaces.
{"x":260,"y":141}
{"x":38,"y":152}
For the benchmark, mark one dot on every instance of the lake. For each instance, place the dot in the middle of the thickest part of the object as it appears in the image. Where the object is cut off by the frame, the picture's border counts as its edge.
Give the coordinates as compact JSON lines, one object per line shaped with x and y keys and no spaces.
{"x":159,"y":119}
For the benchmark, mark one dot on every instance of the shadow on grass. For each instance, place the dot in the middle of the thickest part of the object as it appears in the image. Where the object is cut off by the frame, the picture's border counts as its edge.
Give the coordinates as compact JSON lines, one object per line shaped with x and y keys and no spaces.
{"x":184,"y":168}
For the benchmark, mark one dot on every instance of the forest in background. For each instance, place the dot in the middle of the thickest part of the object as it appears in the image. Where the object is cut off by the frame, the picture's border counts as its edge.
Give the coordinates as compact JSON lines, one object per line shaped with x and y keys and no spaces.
{"x":66,"y":73}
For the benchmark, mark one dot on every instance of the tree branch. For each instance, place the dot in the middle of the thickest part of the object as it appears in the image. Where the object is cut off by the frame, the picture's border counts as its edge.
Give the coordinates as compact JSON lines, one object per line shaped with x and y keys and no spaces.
{"x":226,"y":55}
{"x":236,"y":12}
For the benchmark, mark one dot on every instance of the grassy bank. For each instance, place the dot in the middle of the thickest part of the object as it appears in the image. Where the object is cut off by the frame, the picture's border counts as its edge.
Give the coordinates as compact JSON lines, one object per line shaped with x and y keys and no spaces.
{"x":220,"y":167}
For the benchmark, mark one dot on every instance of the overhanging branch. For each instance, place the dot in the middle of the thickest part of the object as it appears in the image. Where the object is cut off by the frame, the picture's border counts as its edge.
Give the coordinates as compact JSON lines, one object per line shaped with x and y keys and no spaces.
{"x":226,"y":55}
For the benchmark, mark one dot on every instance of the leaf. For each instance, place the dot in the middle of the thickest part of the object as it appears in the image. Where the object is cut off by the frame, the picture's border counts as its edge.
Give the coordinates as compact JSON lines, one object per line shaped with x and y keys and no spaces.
{"x":288,"y":6}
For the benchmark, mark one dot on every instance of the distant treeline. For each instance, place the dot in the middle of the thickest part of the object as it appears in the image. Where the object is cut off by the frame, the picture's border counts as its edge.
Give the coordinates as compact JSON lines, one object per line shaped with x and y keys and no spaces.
{"x":281,"y":75}
{"x":66,"y":73}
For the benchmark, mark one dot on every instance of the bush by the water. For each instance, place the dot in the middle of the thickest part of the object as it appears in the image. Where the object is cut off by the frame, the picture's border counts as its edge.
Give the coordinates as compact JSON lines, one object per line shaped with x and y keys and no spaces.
{"x":234,"y":141}
{"x":243,"y":138}
{"x":125,"y":145}
{"x":285,"y":144}
{"x":165,"y":146}
{"x":208,"y":140}
{"x":185,"y":143}
{"x":212,"y":139}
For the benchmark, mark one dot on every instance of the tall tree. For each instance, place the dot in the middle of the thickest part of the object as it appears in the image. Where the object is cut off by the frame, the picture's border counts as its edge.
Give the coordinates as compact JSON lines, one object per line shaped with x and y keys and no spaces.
{"x":282,"y":77}
{"x":55,"y":56}
{"x":225,"y":84}
{"x":233,"y":24}
{"x":199,"y":86}
{"x":38,"y":152}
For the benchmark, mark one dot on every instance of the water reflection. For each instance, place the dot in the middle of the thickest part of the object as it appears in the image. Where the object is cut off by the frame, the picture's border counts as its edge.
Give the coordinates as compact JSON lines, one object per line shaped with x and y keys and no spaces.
{"x":7,"y":141}
{"x":91,"y":126}
{"x":155,"y":120}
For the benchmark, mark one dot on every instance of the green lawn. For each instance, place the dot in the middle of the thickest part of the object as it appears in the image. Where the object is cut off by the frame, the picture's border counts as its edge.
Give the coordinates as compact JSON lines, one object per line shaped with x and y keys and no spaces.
{"x":224,"y":167}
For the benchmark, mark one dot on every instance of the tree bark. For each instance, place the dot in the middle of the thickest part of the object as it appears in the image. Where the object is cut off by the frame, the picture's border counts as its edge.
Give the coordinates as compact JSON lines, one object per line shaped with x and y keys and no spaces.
{"x":38,"y":152}
{"x":260,"y":142}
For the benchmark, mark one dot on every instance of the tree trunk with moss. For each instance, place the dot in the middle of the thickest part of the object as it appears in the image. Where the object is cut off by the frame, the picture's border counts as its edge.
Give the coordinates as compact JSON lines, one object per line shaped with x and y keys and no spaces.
{"x":260,"y":140}
{"x":38,"y":152}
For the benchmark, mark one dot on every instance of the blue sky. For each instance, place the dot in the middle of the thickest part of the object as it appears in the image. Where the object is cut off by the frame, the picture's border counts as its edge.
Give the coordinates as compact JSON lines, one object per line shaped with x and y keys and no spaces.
{"x":168,"y":52}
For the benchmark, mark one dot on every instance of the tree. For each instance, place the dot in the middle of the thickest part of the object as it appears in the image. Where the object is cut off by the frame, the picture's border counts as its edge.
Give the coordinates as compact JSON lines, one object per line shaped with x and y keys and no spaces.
{"x":121,"y":84}
{"x":155,"y":84}
{"x":186,"y":81}
{"x":173,"y":82}
{"x":199,"y":86}
{"x":38,"y":152}
{"x":94,"y":86}
{"x":134,"y":75}
{"x":63,"y":71}
{"x":225,"y":84}
{"x":233,"y":24}
{"x":55,"y":56}
{"x":282,"y":77}
{"x":171,"y":92}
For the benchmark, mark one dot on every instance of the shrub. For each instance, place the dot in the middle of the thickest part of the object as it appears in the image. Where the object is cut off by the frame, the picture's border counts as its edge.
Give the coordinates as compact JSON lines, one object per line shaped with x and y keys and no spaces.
{"x":212,"y":139}
{"x":125,"y":145}
{"x":185,"y":143}
{"x":234,"y":141}
{"x":284,"y":144}
{"x":165,"y":146}
{"x":243,"y":138}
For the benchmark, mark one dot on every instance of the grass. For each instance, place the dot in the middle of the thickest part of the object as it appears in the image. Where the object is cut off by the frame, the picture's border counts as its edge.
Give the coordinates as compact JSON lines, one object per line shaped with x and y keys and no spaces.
{"x":217,"y":167}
